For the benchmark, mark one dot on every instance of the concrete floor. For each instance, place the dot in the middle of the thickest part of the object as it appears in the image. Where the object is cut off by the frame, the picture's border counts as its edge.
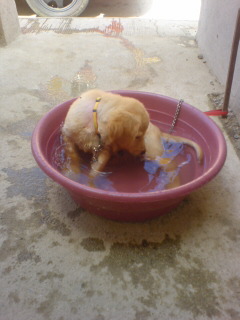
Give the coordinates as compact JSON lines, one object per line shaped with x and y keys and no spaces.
{"x":161,"y":9}
{"x":57,"y":261}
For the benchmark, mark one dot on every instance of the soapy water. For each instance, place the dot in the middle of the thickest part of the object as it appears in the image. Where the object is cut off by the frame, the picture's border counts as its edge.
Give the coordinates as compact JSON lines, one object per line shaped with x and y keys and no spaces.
{"x":125,"y":173}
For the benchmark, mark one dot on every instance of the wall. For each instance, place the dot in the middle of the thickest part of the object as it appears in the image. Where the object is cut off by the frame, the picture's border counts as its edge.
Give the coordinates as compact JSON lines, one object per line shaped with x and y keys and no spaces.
{"x":215,"y":34}
{"x":9,"y":23}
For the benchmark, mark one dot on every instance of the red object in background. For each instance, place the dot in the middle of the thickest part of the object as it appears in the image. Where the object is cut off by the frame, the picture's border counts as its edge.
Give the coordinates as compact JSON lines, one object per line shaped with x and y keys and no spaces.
{"x":218,"y":112}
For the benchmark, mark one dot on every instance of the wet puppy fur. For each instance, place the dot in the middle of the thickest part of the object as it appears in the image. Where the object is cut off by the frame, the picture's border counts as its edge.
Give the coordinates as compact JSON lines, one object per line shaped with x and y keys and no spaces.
{"x":123,"y":125}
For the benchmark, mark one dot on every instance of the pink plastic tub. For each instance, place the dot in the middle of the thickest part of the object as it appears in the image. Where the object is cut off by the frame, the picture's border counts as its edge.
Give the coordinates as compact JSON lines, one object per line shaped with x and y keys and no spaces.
{"x":123,"y":206}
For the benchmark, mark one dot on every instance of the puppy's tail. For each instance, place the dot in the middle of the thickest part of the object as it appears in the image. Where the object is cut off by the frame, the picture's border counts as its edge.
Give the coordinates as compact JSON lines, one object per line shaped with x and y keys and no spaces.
{"x":186,"y":141}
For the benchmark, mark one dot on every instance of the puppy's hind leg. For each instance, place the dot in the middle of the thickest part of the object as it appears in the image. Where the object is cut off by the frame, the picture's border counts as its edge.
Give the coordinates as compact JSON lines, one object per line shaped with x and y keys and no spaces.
{"x":72,"y":156}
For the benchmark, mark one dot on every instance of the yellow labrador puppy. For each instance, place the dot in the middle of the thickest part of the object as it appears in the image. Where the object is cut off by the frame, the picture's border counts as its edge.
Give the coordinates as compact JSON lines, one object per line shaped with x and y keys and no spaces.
{"x":102,"y":124}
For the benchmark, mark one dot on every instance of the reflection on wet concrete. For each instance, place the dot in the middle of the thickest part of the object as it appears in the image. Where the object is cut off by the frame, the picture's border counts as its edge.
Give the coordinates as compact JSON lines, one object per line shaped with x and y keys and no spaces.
{"x":85,"y":78}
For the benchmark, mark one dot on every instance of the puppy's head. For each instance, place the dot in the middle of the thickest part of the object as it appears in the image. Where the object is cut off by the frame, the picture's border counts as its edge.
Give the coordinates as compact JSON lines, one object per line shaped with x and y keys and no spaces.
{"x":125,"y":129}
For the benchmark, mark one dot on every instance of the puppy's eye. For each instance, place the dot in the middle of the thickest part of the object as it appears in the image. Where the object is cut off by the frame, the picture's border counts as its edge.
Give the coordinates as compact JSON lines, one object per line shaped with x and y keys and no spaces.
{"x":138,"y":137}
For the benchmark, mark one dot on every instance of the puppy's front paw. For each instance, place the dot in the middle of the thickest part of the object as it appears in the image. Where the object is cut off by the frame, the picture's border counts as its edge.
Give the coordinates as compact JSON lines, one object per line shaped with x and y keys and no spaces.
{"x":70,"y":169}
{"x":93,"y":173}
{"x":91,"y":183}
{"x":75,"y":169}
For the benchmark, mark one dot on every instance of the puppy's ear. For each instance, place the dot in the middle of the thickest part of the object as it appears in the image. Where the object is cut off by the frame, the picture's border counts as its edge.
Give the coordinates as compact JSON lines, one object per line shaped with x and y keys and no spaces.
{"x":118,"y":124}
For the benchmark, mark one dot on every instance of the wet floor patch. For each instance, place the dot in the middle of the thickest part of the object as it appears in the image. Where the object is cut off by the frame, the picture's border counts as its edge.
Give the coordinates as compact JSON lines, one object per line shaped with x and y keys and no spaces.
{"x":196,"y":291}
{"x":29,"y":183}
{"x":53,"y":223}
{"x":139,"y":260}
{"x":85,"y":79}
{"x":22,"y":128}
{"x":93,"y":244}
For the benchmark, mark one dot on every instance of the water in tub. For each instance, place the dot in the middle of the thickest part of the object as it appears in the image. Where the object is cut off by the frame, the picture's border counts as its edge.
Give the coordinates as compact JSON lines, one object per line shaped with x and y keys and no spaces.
{"x":125,"y":173}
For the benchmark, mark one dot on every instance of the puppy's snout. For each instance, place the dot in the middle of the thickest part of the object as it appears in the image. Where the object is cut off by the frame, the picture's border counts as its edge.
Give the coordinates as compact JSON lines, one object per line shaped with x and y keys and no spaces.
{"x":143,"y":152}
